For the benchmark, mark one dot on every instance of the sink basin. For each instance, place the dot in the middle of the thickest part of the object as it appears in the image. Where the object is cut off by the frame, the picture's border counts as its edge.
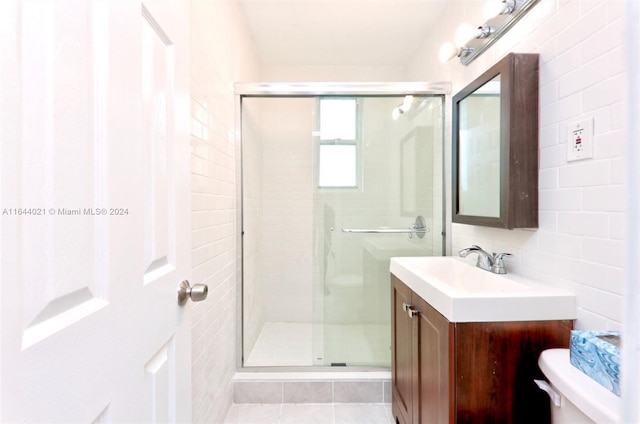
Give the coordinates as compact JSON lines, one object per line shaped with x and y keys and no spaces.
{"x":465,"y":293}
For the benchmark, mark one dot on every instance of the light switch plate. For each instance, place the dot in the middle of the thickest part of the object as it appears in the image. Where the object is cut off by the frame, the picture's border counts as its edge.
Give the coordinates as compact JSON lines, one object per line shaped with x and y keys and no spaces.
{"x":580,"y":140}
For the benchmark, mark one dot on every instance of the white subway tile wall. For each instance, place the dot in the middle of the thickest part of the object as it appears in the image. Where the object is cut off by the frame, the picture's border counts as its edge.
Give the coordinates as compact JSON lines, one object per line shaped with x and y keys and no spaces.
{"x":222,"y":52}
{"x":580,"y":242}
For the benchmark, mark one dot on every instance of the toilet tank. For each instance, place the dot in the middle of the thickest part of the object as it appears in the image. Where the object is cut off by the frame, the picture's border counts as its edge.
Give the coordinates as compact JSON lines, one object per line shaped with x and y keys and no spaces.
{"x":581,"y":399}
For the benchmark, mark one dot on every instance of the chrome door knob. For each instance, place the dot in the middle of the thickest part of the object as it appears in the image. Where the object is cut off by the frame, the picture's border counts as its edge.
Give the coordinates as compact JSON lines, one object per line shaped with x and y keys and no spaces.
{"x":196,"y":293}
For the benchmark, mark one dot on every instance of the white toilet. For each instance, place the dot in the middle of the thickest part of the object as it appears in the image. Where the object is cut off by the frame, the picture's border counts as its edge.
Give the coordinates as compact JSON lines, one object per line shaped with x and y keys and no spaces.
{"x":575,"y":398}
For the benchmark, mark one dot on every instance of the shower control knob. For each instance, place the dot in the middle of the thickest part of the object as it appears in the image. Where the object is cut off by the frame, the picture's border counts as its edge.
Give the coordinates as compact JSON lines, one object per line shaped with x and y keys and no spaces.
{"x":196,"y":293}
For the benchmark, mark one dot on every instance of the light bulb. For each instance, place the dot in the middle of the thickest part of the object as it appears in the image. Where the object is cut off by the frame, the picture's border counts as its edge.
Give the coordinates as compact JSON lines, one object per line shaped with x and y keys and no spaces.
{"x":464,"y":34}
{"x":395,"y":114}
{"x":447,"y":51}
{"x":494,"y":8}
{"x":406,"y":103}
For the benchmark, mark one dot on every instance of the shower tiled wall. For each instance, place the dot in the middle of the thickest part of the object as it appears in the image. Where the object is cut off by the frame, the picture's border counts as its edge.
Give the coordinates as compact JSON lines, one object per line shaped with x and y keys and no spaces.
{"x":287,"y":196}
{"x":222,"y":52}
{"x":580,"y":242}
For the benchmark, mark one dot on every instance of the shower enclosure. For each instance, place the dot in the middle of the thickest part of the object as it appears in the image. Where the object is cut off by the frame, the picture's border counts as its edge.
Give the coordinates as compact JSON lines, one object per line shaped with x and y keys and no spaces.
{"x":335,"y":181}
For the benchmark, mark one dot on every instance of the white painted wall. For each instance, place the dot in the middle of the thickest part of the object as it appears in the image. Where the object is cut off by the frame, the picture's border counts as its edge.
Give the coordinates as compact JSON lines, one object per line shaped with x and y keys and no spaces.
{"x":343,"y":73}
{"x":580,"y":242}
{"x":222,"y":52}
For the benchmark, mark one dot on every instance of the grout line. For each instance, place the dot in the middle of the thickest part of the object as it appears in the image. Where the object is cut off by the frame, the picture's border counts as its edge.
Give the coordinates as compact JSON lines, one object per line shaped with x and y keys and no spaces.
{"x":333,"y":392}
{"x":333,"y":407}
{"x":282,"y":393}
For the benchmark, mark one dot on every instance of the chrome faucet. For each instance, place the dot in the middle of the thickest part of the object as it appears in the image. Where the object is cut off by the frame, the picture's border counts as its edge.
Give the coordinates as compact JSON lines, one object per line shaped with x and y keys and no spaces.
{"x":489,"y":262}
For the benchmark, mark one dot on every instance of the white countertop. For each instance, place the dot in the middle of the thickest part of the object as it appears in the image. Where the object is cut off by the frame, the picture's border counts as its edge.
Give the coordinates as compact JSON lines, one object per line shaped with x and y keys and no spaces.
{"x":465,"y":293}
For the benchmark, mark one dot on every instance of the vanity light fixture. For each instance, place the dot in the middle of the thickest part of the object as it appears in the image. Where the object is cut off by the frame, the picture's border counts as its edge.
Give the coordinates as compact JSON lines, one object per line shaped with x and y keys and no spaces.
{"x":470,"y":42}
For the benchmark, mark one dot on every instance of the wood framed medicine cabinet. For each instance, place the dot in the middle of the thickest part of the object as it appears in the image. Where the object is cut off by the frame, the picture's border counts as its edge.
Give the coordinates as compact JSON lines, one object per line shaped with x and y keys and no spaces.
{"x":495,"y":146}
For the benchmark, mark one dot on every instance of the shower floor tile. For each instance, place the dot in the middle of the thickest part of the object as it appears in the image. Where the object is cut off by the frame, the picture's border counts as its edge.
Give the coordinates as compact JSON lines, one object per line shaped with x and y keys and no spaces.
{"x":282,"y":344}
{"x":292,"y":344}
{"x":337,"y":413}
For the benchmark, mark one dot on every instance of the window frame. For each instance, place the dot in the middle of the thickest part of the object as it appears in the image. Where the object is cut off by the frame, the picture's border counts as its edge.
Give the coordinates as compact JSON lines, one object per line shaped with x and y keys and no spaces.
{"x":357,"y":142}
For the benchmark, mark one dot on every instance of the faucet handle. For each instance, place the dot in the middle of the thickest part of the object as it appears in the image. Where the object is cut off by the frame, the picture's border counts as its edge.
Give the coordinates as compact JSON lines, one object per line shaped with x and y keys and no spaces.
{"x":500,"y":256}
{"x":498,"y":263}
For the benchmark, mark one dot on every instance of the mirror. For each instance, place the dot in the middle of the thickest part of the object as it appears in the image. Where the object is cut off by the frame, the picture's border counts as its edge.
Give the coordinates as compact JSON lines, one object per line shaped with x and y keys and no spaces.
{"x":495,"y":146}
{"x":479,"y":151}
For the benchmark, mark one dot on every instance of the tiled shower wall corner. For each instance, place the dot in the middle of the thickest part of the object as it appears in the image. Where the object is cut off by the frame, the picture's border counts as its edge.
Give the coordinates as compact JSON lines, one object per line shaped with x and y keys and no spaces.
{"x":580,"y":242}
{"x":222,"y":52}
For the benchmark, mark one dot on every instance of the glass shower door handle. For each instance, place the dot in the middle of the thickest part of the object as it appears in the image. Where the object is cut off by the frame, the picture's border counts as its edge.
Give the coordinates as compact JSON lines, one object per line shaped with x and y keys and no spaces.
{"x":418,"y":228}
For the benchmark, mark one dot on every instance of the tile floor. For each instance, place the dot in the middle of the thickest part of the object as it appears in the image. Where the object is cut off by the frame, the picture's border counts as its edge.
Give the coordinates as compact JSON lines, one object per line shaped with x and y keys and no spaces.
{"x":334,"y":413}
{"x":295,"y":344}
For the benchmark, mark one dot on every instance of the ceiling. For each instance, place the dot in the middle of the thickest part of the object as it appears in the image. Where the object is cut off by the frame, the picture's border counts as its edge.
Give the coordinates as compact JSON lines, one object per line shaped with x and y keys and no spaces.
{"x":339,"y":32}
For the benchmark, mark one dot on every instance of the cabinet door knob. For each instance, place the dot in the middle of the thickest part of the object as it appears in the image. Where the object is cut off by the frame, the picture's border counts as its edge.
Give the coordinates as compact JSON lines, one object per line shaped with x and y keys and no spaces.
{"x":410,"y":310}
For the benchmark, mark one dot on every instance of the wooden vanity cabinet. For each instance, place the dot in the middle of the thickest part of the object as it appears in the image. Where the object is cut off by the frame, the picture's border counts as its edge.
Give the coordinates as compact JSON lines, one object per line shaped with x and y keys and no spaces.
{"x":447,"y":372}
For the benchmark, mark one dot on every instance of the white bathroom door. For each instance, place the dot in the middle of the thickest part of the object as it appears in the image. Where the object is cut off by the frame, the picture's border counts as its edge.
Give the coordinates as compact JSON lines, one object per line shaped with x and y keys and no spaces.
{"x":94,"y":211}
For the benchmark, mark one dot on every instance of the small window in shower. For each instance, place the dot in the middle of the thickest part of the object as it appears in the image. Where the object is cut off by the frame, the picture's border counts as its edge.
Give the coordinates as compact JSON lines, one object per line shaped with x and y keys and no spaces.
{"x":338,"y":147}
{"x":337,"y":165}
{"x":338,"y":119}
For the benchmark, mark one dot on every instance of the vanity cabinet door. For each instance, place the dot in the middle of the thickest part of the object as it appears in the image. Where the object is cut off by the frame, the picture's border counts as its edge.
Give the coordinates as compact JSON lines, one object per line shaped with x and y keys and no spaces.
{"x":402,"y":356}
{"x":435,"y":365}
{"x":496,"y":363}
{"x":420,"y":360}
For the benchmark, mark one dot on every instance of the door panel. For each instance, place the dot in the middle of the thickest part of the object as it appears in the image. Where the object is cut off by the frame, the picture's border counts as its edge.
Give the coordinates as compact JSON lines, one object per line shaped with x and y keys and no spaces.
{"x":159,"y":384}
{"x":157,"y":102}
{"x":94,"y":190}
{"x":58,"y":151}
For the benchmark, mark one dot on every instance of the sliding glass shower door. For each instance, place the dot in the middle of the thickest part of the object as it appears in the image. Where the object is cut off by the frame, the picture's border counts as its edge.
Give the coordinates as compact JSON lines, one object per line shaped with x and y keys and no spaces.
{"x":333,"y":186}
